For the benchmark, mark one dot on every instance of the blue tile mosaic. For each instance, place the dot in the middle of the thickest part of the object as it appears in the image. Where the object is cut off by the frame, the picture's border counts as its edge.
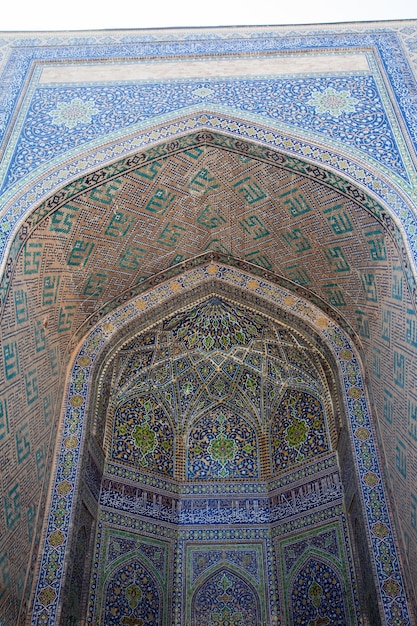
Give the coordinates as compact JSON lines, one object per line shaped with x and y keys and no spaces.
{"x":347,"y":110}
{"x":322,"y":111}
{"x":387,"y":43}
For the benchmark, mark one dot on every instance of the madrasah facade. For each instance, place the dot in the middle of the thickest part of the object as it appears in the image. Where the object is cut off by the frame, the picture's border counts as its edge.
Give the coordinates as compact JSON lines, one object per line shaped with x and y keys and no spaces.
{"x":208,"y":363}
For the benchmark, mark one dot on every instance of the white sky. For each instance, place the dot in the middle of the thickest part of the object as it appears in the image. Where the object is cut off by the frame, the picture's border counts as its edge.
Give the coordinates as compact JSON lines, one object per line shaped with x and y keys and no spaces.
{"x":24,"y":15}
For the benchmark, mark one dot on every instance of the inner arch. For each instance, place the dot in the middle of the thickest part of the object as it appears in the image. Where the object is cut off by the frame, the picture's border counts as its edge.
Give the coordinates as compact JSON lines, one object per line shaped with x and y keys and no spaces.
{"x":128,"y":483}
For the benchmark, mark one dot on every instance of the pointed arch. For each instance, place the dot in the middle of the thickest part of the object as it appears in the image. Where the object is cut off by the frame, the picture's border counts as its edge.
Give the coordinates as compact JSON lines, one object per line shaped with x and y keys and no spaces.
{"x":139,"y":310}
{"x":317,"y":593}
{"x":131,"y":595}
{"x":226,"y":595}
{"x":45,"y":188}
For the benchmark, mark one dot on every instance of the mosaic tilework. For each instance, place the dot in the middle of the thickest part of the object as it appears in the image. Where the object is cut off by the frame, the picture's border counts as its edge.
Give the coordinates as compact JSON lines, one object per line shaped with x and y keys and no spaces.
{"x":252,"y":503}
{"x":385,"y":322}
{"x":326,"y":599}
{"x":78,"y":563}
{"x":132,"y":596}
{"x":205,"y":558}
{"x":210,"y":597}
{"x":367,"y":464}
{"x":132,"y":579}
{"x":246,"y":553}
{"x":216,"y":601}
{"x":299,"y":430}
{"x":316,"y":586}
{"x":327,"y":465}
{"x":215,"y":325}
{"x":43,"y":284}
{"x":197,"y":367}
{"x":378,"y":187}
{"x":245,"y":557}
{"x":343,"y":221}
{"x":325,"y":540}
{"x":387,"y":44}
{"x":80,"y":255}
{"x":222,"y":445}
{"x":143,"y":436}
{"x":344,"y":109}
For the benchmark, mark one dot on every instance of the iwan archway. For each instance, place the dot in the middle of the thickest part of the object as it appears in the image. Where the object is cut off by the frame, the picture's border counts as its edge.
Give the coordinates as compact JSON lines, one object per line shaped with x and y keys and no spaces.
{"x":117,"y":233}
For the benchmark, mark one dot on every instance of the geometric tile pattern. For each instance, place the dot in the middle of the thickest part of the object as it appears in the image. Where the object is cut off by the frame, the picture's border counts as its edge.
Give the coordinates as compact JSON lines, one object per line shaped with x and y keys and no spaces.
{"x":182,"y":209}
{"x":203,"y":560}
{"x":336,"y":122}
{"x":222,"y":444}
{"x":216,"y":600}
{"x":70,"y":242}
{"x":197,"y":367}
{"x":321,"y":584}
{"x":131,"y":584}
{"x":211,"y":565}
{"x":55,"y":288}
{"x":132,"y":596}
{"x":143,"y":436}
{"x":299,"y":430}
{"x":178,"y":222}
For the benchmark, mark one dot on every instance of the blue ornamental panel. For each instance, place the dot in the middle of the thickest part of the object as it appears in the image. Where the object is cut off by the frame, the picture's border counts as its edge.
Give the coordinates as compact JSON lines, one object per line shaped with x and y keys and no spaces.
{"x":132,"y":597}
{"x":143,"y":436}
{"x":225,"y":600}
{"x":345,"y":109}
{"x":222,"y":444}
{"x":298,"y":430}
{"x":318,"y":596}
